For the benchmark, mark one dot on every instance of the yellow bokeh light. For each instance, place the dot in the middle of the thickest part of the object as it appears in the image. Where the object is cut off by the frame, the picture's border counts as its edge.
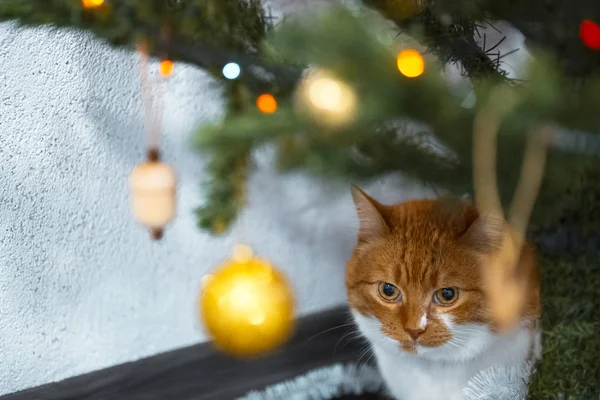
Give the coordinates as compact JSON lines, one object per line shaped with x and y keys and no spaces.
{"x":410,"y":63}
{"x":92,"y":3}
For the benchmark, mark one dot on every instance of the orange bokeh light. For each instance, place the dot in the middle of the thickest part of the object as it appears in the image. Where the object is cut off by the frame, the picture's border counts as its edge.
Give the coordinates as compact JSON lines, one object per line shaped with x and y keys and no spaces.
{"x":410,"y":63}
{"x":266,"y":103}
{"x":166,"y":68}
{"x":92,"y":3}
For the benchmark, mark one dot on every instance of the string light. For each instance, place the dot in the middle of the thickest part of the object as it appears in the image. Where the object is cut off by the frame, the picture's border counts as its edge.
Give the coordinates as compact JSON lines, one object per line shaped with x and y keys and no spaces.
{"x":166,"y":68}
{"x":326,"y":98}
{"x":410,"y":63}
{"x":326,"y":94}
{"x":231,"y":70}
{"x":266,"y":103}
{"x":92,"y":3}
{"x":589,"y":32}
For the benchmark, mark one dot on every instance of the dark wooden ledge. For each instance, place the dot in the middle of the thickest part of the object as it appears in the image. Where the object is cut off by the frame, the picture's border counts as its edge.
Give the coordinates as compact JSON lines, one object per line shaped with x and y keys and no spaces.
{"x":200,"y":373}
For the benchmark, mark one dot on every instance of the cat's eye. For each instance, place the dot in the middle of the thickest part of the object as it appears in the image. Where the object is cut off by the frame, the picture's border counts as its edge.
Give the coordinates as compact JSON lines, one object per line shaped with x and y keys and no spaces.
{"x":388,"y":292}
{"x":445,"y":296}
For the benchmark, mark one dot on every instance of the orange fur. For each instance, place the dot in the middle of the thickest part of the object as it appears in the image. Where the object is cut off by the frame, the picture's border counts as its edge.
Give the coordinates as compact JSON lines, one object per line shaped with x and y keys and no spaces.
{"x":421,"y":246}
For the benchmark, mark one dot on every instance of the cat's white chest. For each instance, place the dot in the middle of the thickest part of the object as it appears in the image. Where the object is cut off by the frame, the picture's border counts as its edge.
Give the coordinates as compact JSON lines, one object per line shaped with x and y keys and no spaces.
{"x":446,"y":371}
{"x":409,"y":379}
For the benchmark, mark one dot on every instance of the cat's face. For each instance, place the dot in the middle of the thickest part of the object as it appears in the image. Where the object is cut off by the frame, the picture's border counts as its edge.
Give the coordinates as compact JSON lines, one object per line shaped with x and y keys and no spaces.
{"x":414,"y":282}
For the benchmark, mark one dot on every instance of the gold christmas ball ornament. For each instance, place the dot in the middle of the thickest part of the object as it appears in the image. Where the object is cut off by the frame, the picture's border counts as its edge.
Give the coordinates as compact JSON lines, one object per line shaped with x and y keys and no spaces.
{"x":247,"y":306}
{"x":153,"y":194}
{"x":401,"y":9}
{"x":326,"y":99}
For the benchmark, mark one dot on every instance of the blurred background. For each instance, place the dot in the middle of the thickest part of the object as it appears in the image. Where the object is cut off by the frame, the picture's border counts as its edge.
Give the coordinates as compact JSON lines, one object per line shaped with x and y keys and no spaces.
{"x":81,"y":285}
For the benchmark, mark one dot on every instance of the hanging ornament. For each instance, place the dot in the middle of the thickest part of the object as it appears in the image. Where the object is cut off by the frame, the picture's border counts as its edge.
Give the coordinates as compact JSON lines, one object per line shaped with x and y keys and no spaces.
{"x":401,"y":10}
{"x":410,"y":63}
{"x":326,"y":99}
{"x":247,"y":305}
{"x":153,"y":189}
{"x":153,"y":183}
{"x":589,"y":32}
{"x":266,"y":103}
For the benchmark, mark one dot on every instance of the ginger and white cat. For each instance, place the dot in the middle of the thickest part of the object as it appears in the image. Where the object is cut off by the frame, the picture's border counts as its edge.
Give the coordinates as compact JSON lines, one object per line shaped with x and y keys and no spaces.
{"x":415,"y":290}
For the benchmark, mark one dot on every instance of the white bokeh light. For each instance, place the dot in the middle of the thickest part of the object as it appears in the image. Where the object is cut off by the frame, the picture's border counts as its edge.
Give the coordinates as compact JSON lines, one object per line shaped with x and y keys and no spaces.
{"x":231,"y":70}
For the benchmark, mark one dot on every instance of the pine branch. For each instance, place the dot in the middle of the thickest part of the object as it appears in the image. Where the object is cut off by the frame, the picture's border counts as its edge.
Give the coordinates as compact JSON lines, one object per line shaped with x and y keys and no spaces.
{"x":258,"y":75}
{"x":361,"y":150}
{"x":205,"y":33}
{"x":447,"y":31}
{"x":229,"y":165}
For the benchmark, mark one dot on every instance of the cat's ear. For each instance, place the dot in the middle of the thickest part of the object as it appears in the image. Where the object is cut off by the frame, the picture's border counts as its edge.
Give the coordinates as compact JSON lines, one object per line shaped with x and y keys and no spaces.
{"x":486,"y":234}
{"x":372,"y":223}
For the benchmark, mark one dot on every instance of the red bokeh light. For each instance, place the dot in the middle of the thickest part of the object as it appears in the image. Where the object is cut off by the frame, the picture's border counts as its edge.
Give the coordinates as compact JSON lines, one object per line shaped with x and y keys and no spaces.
{"x":590,"y":34}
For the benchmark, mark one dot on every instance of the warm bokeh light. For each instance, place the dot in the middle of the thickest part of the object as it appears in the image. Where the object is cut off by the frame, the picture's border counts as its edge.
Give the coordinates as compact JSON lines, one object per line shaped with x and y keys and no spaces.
{"x":92,"y":3}
{"x":246,"y":305}
{"x":266,"y":103}
{"x":327,"y":94}
{"x":166,"y":68}
{"x":410,"y":63}
{"x":589,"y":31}
{"x":326,"y":99}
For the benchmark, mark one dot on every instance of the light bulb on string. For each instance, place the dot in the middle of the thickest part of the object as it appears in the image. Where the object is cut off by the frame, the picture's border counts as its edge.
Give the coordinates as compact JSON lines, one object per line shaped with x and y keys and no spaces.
{"x":326,"y":94}
{"x":166,"y":68}
{"x":589,"y":32}
{"x":325,"y":98}
{"x":92,"y":3}
{"x":231,"y":70}
{"x":266,"y":103}
{"x":410,"y":63}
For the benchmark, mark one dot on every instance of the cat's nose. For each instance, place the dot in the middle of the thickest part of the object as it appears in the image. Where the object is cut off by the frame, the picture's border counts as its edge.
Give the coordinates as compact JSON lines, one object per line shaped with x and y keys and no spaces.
{"x":414,"y":333}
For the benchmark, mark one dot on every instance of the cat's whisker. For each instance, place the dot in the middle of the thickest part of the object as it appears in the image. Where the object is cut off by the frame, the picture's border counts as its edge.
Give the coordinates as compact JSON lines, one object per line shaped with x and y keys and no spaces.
{"x":372,"y":356}
{"x":328,"y":330}
{"x":353,"y":335}
{"x":364,"y":353}
{"x":468,"y":330}
{"x":462,"y":342}
{"x":453,"y":346}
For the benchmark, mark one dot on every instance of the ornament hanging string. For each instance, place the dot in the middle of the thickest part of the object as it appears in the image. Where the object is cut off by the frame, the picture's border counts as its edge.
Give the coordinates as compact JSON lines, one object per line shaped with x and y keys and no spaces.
{"x":151,"y":103}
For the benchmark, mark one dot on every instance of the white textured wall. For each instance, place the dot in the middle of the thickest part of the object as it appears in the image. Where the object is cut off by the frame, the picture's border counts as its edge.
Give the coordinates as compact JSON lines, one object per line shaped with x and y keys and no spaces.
{"x":81,"y":286}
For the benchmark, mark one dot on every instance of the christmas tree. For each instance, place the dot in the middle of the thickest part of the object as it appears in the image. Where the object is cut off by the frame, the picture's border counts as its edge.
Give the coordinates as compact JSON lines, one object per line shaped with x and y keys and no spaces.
{"x":339,"y":96}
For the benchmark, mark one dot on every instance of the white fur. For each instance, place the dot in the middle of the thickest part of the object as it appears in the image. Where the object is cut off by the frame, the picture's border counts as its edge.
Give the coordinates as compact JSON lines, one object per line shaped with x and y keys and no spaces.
{"x":423,"y":321}
{"x":445,"y":371}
